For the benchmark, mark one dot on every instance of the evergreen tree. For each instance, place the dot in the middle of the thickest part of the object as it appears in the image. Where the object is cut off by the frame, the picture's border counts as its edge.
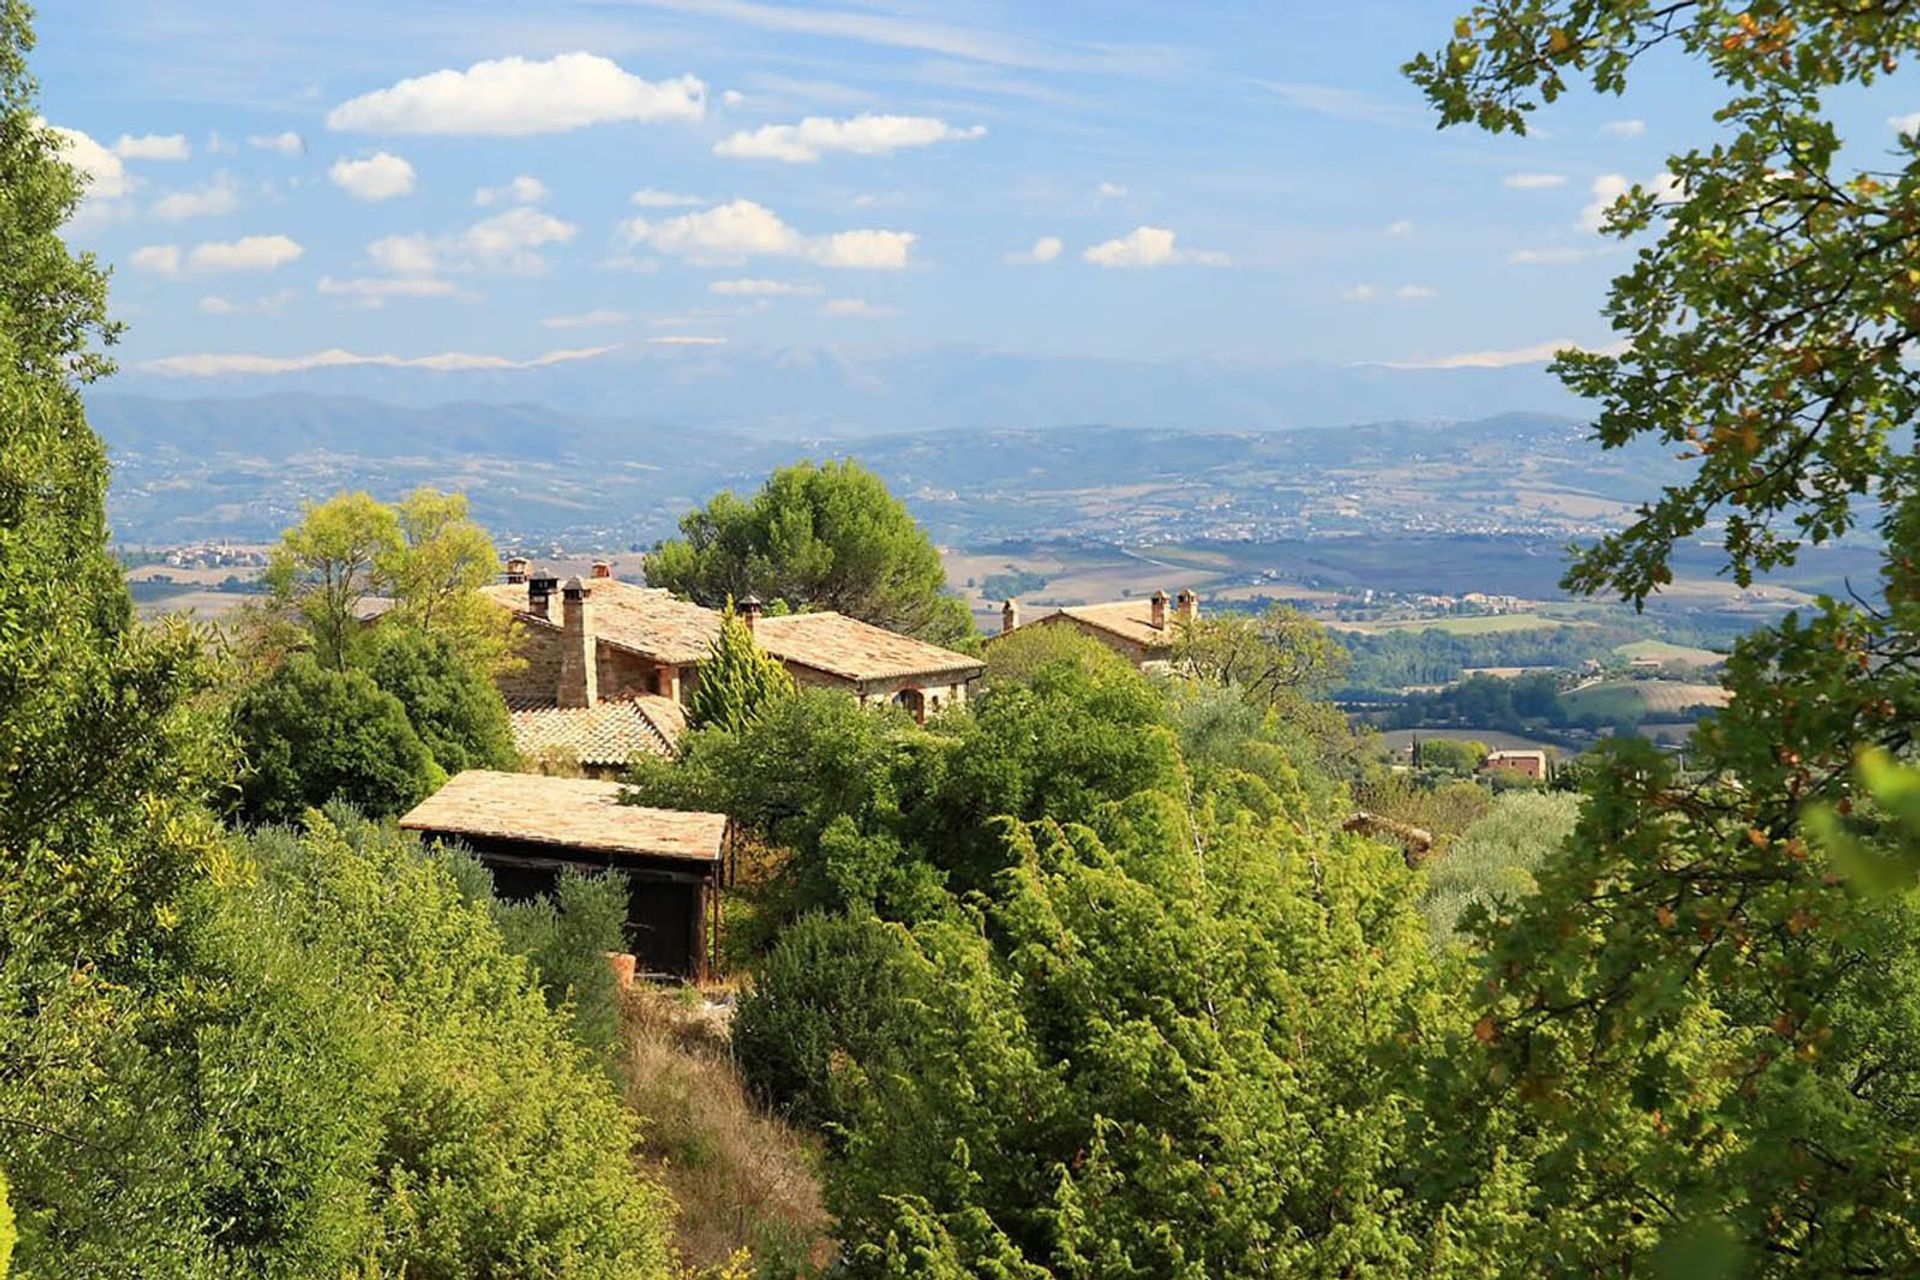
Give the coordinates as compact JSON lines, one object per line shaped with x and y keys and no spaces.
{"x":819,"y":536}
{"x":738,"y":680}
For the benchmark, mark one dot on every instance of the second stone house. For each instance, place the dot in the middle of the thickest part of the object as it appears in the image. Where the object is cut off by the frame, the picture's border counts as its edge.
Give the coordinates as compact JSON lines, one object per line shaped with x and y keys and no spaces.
{"x":1144,"y":632}
{"x":608,"y":665}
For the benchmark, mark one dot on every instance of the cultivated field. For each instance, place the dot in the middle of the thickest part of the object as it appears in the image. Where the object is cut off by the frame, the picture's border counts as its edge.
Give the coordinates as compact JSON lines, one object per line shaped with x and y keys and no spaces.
{"x":1642,"y":699}
{"x":1661,"y":651}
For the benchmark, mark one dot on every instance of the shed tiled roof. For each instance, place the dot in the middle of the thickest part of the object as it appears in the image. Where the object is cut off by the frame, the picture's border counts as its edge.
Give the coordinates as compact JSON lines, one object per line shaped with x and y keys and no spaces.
{"x":1128,"y":619}
{"x":666,"y":629}
{"x":856,"y":650}
{"x":609,"y":733}
{"x":567,"y":813}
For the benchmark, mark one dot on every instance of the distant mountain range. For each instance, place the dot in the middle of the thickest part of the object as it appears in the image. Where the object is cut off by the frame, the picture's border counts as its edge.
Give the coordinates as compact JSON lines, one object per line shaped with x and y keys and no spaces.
{"x":842,"y":392}
{"x":241,"y":467}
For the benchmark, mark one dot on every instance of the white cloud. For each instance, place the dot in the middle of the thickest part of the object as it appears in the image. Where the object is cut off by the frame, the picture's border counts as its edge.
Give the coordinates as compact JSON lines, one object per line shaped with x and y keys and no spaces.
{"x":1400,"y":229}
{"x":268,"y":304}
{"x":1149,"y":247}
{"x":380,"y":176}
{"x":868,"y":135}
{"x":1359,"y":293}
{"x":511,"y":241}
{"x":1537,"y":353}
{"x":515,"y":97}
{"x":1609,"y":187}
{"x":249,"y":253}
{"x":1555,"y":256}
{"x":688,"y":340}
{"x":215,"y":365}
{"x":288,"y":143}
{"x":1415,"y":292}
{"x":761,"y":288}
{"x":858,"y":308}
{"x":374,"y":291}
{"x":587,"y":319}
{"x":1909,"y":123}
{"x":107,"y":177}
{"x":1624,"y":128}
{"x":1534,"y":181}
{"x":161,"y":259}
{"x":1109,"y":191}
{"x":732,"y":98}
{"x":404,"y":255}
{"x":522,"y":190}
{"x":218,"y":197}
{"x":153,"y":146}
{"x":864,"y":250}
{"x":740,"y":229}
{"x":648,"y":198}
{"x":1045,"y":249}
{"x":217,"y":145}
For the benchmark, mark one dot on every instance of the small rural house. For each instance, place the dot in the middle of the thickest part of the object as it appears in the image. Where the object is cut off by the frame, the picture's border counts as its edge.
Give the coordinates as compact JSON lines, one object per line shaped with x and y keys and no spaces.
{"x":1141,"y":631}
{"x":527,"y":829}
{"x":609,"y":664}
{"x":1528,"y":764}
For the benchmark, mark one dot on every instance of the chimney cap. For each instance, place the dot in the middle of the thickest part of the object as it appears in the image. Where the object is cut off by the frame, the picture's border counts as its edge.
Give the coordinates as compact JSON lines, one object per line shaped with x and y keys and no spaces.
{"x":749,"y":603}
{"x":541,"y":581}
{"x":576,"y":588}
{"x":1161,"y":596}
{"x":603,"y":568}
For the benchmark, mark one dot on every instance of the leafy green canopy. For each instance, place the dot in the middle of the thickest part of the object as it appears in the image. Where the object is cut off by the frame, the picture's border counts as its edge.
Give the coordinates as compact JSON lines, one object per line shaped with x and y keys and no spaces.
{"x":101,"y":761}
{"x":738,"y":681}
{"x":311,"y":734}
{"x":451,"y":704}
{"x":1707,"y":1021}
{"x":816,"y":536}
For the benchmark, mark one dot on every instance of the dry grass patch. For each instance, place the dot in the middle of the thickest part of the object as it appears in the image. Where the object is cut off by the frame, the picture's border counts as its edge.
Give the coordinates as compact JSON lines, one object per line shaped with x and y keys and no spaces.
{"x":743,"y":1179}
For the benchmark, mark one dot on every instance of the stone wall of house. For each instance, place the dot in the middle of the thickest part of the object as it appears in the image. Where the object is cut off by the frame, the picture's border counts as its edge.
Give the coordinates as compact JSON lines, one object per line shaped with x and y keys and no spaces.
{"x":538,"y":645}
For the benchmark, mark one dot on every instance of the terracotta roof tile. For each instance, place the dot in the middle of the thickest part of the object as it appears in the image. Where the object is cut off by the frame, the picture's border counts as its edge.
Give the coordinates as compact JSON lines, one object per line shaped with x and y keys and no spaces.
{"x":572,"y":813}
{"x":856,"y":650}
{"x":610,"y":733}
{"x":663,"y":628}
{"x":1128,"y":619}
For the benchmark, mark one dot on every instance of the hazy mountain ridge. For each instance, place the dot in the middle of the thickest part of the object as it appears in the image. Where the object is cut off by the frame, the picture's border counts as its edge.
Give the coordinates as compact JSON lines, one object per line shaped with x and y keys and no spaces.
{"x":844,"y":391}
{"x":240,"y":468}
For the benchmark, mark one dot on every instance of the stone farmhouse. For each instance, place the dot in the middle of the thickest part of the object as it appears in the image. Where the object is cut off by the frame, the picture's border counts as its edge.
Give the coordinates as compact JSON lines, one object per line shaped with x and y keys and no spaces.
{"x":608,"y":665}
{"x":1141,"y":631}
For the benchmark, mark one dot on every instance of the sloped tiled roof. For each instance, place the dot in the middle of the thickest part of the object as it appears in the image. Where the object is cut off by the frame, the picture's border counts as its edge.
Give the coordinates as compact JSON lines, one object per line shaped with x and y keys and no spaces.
{"x":1128,"y":619}
{"x":609,"y":733}
{"x":567,"y":813}
{"x":663,"y":628}
{"x":647,"y":620}
{"x":856,"y":650}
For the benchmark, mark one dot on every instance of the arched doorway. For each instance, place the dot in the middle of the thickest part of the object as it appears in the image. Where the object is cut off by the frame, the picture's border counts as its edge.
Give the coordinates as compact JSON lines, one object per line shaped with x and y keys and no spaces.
{"x":915,"y":703}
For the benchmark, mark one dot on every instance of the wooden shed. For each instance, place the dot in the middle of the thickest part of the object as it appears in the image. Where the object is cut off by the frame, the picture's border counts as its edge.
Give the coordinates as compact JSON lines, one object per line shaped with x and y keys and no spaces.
{"x":526,"y":829}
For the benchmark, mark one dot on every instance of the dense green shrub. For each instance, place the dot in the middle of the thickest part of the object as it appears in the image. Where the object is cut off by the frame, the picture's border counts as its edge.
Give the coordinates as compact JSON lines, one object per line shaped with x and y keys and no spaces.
{"x":451,"y":703}
{"x":834,"y":984}
{"x":311,"y":734}
{"x":566,"y":936}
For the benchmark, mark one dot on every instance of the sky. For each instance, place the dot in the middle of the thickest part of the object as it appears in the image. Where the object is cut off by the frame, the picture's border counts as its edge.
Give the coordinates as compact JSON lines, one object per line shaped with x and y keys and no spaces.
{"x":281,"y":185}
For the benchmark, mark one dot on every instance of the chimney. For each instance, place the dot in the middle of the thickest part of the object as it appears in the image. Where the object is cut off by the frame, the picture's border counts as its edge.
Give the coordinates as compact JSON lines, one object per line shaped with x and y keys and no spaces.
{"x":1159,"y":611}
{"x":1009,"y":615}
{"x":540,"y":586}
{"x":517,"y":569}
{"x":748,"y":608}
{"x":602,"y":569}
{"x":1189,"y":605}
{"x":579,"y":665}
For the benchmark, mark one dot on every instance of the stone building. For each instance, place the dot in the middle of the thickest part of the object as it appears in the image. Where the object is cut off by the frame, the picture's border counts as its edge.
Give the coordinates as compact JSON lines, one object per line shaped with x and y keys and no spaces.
{"x":527,"y":829}
{"x":608,"y":665}
{"x":1143,"y":632}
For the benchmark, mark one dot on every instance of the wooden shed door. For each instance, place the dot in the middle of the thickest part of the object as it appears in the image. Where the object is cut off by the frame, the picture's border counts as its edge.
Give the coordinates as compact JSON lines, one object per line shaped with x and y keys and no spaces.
{"x":661,"y":921}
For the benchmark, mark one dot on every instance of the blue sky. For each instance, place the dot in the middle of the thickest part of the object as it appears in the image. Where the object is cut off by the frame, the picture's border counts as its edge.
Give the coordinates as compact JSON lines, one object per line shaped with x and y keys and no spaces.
{"x":503,"y":182}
